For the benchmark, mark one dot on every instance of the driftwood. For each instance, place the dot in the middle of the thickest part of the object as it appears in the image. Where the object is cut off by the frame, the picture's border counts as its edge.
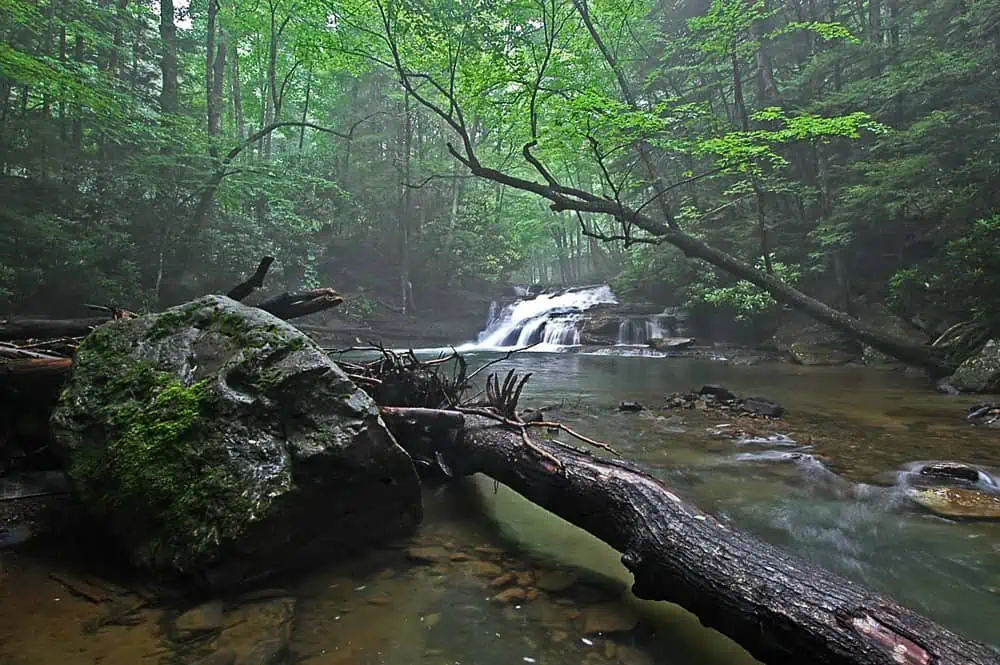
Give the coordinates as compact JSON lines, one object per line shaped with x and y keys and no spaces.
{"x":783,"y":610}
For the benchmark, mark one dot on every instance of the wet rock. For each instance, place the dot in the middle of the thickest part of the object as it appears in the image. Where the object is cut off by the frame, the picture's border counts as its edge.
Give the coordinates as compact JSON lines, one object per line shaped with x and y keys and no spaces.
{"x":608,"y":618}
{"x":503,"y":580}
{"x":218,"y":658}
{"x":984,"y":413}
{"x":487,"y":569}
{"x":555,"y":581}
{"x":957,"y":502}
{"x":205,"y":618}
{"x":981,"y":372}
{"x":763,"y":407}
{"x":629,"y":406}
{"x":558,"y":636}
{"x":610,"y":648}
{"x":426,"y":555}
{"x":946,"y":388}
{"x":524,"y":578}
{"x":670,"y":343}
{"x":259,"y":633}
{"x":511,"y":595}
{"x":432,"y":619}
{"x":459,"y":556}
{"x":213,"y":429}
{"x":953,"y":470}
{"x":531,"y":594}
{"x":805,"y":353}
{"x":717,"y":391}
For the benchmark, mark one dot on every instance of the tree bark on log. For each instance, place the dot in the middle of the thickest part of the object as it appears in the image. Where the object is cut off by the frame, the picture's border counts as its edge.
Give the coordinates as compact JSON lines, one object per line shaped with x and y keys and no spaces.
{"x":783,"y":610}
{"x":12,"y":329}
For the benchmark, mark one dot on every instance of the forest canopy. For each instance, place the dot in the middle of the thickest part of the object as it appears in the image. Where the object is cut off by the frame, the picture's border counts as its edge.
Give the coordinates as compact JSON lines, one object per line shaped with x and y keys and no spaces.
{"x":850,"y":149}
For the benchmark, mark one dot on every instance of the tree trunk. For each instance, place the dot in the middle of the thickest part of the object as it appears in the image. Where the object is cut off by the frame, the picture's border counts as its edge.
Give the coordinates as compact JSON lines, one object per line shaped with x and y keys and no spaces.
{"x":76,"y":133}
{"x":405,"y":212}
{"x":237,"y":94}
{"x":741,"y":108}
{"x":305,"y":110}
{"x":215,"y":74}
{"x":781,"y":609}
{"x":168,"y":58}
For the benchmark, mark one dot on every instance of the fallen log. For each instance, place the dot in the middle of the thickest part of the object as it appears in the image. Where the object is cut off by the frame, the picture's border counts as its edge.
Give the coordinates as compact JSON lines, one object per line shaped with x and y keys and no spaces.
{"x":782,"y":609}
{"x":11,"y":329}
{"x":293,"y":305}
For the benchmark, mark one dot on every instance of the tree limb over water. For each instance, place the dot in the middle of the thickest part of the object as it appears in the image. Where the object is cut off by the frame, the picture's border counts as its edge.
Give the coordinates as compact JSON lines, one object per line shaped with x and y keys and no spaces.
{"x":783,"y":610}
{"x":441,"y":99}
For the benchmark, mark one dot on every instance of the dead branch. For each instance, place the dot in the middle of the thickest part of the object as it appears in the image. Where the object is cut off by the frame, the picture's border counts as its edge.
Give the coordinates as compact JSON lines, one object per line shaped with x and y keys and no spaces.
{"x":254,"y":282}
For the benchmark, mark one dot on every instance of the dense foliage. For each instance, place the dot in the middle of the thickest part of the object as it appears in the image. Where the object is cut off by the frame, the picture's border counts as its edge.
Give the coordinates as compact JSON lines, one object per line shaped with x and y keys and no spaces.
{"x":151,"y":152}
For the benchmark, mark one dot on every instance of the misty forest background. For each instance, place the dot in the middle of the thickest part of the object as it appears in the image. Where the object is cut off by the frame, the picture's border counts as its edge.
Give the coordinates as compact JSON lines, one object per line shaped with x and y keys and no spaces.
{"x":150,"y":153}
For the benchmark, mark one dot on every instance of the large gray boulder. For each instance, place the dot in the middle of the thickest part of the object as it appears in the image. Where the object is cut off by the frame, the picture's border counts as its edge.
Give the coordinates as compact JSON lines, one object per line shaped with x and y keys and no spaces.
{"x":216,"y":439}
{"x":981,"y":372}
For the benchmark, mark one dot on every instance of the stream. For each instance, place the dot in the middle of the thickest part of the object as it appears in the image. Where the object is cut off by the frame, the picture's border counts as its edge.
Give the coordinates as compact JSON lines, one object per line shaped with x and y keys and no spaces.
{"x":434,"y":601}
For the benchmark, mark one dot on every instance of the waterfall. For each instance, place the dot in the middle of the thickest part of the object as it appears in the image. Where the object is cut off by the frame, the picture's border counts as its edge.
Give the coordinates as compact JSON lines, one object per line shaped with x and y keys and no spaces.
{"x":638,"y":331}
{"x":548,"y":320}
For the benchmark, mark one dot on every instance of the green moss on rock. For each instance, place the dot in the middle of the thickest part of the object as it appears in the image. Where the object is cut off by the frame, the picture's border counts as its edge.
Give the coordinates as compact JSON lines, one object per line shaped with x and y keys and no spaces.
{"x":215,"y":430}
{"x":155,"y":465}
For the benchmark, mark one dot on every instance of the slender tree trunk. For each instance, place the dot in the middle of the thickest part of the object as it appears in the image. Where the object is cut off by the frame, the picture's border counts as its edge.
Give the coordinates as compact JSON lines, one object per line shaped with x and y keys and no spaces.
{"x":63,"y":131}
{"x":168,"y":58}
{"x":305,"y":109}
{"x":741,"y":108}
{"x":76,"y":139}
{"x":237,"y":93}
{"x":405,"y":213}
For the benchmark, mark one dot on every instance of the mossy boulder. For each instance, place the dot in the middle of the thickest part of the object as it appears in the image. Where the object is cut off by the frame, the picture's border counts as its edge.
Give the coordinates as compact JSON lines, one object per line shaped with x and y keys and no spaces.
{"x":981,"y":372}
{"x":216,"y":440}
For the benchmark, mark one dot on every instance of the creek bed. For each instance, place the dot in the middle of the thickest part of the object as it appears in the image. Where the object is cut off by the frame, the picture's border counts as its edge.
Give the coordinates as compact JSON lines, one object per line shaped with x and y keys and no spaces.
{"x":438,"y":604}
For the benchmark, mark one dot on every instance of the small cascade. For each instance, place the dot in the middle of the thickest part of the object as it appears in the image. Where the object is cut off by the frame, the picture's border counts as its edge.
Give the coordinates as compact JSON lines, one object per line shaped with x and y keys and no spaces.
{"x":639,"y":330}
{"x":632,"y":332}
{"x":548,"y":320}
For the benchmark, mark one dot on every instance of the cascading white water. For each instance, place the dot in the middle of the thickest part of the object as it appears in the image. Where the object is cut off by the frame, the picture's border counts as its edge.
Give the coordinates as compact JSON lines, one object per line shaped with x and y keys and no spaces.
{"x":548,"y":320}
{"x":632,"y":332}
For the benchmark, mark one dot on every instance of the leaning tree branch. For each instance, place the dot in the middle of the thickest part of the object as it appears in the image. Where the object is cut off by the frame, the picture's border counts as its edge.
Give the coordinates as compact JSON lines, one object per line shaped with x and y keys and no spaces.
{"x":208,"y":190}
{"x":782,"y":609}
{"x":254,"y":282}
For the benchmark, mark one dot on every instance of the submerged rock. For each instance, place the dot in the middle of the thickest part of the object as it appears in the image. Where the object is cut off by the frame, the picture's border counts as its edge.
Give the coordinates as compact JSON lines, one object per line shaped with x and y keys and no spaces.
{"x":204,"y":618}
{"x":217,"y":439}
{"x":981,"y":372}
{"x":607,"y":618}
{"x":957,"y":502}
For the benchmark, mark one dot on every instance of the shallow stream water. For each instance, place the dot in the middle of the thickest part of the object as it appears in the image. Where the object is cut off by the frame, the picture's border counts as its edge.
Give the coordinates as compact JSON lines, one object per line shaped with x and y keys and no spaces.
{"x":434,"y":603}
